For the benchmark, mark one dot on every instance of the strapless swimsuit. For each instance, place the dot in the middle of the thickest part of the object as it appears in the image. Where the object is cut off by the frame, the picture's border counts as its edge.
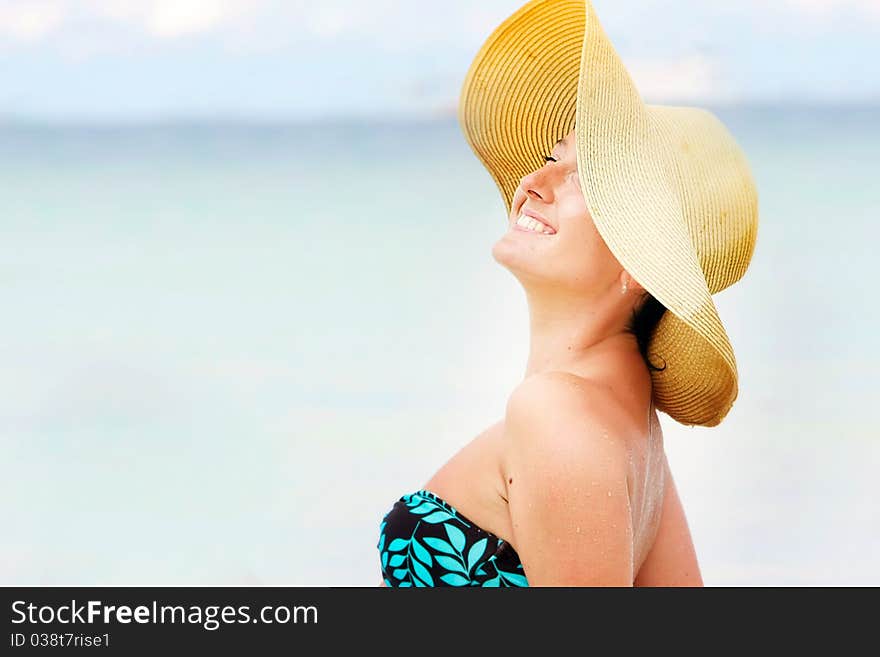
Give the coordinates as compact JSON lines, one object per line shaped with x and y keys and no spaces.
{"x":424,"y":541}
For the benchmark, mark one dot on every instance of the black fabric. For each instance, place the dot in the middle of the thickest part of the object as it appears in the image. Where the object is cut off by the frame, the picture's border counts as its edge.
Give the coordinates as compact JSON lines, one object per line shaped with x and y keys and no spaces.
{"x":424,"y":541}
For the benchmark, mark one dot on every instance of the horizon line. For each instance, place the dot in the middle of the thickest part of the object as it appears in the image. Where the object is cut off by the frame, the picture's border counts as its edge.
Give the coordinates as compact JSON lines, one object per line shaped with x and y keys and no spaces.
{"x":436,"y":116}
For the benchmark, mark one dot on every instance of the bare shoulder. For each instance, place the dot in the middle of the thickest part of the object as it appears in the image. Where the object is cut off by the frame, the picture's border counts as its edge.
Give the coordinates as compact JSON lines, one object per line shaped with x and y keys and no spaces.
{"x":567,"y":465}
{"x":672,"y":560}
{"x":561,"y":400}
{"x":572,"y":414}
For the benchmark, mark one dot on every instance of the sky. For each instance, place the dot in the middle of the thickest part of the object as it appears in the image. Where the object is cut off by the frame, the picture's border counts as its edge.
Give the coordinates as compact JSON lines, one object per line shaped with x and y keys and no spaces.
{"x":125,"y":60}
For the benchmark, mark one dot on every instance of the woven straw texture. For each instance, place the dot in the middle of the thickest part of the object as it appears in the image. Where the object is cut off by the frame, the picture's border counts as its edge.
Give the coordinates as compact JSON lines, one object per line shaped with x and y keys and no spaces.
{"x":668,"y":188}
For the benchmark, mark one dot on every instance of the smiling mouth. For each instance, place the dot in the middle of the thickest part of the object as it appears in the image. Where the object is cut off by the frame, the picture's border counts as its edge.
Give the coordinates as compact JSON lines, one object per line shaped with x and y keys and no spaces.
{"x":529,"y":225}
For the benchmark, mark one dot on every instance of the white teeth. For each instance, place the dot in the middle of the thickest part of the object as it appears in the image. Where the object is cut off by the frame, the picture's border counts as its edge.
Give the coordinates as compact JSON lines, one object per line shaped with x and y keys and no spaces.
{"x":532,"y":225}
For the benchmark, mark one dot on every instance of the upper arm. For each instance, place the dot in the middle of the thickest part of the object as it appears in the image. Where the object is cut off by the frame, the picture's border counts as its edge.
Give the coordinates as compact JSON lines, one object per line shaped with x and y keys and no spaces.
{"x":672,"y":560}
{"x":568,"y":498}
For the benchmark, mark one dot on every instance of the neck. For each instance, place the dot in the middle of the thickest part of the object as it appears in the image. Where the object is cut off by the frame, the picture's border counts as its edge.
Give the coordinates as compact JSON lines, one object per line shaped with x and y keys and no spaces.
{"x":568,"y":331}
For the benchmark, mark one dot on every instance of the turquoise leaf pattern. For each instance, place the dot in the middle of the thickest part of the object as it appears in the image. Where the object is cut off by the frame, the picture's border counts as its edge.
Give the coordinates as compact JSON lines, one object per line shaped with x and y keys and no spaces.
{"x":427,"y":507}
{"x":454,"y":579}
{"x":437,"y":516}
{"x":397,"y":544}
{"x":451,"y":564}
{"x":514,"y":578}
{"x":421,"y":552}
{"x":425,"y":542}
{"x":424,"y":576}
{"x":476,"y":551}
{"x":438,"y":544}
{"x":456,"y":536}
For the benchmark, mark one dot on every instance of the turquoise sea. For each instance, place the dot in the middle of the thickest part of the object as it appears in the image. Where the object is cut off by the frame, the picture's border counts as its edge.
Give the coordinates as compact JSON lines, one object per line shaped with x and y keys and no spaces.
{"x":228,"y":348}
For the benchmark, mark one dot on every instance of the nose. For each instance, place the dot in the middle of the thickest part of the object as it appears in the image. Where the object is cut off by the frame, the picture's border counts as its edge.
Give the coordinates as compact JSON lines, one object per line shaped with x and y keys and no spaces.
{"x":537,"y":186}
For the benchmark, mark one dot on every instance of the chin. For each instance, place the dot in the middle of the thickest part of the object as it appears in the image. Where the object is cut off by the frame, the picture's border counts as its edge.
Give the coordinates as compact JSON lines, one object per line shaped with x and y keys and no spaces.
{"x":503,"y":253}
{"x":511,"y":258}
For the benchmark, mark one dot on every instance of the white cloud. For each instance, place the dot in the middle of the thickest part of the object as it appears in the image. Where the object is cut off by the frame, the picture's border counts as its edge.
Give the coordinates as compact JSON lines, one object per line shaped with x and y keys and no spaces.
{"x":690,"y":78}
{"x":168,"y":19}
{"x":35,"y":20}
{"x":173,"y":18}
{"x":177,"y":18}
{"x":329,"y":21}
{"x":29,"y":21}
{"x":820,"y":10}
{"x":831,"y":6}
{"x":389,"y":25}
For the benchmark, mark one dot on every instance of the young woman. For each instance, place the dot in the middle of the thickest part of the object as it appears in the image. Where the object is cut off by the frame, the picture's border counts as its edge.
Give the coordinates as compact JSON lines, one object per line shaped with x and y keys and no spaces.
{"x":637,"y":216}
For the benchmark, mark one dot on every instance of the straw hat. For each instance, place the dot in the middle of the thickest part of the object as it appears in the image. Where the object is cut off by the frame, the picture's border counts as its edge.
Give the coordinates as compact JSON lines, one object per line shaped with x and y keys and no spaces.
{"x":668,"y":188}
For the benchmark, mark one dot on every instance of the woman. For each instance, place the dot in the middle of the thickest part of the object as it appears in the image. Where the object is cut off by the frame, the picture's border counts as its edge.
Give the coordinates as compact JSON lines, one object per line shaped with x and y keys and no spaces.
{"x":637,"y":216}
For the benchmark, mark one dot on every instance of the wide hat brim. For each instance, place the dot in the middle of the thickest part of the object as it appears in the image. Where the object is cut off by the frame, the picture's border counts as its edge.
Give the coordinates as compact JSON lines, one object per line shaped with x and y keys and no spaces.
{"x":668,"y":188}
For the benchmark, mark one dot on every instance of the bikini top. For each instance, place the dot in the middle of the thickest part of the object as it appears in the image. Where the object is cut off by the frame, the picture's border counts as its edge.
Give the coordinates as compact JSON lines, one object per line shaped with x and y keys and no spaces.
{"x":424,"y":541}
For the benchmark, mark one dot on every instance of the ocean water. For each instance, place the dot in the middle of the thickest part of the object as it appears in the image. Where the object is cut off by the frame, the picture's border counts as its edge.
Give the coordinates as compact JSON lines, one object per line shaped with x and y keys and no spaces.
{"x":229,"y":348}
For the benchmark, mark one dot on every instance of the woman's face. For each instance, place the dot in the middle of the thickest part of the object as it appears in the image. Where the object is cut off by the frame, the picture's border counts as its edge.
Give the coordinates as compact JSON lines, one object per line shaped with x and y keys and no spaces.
{"x":575,"y":256}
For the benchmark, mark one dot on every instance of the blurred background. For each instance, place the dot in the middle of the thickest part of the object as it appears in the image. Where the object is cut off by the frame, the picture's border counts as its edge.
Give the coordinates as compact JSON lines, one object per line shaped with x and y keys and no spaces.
{"x":249,"y":299}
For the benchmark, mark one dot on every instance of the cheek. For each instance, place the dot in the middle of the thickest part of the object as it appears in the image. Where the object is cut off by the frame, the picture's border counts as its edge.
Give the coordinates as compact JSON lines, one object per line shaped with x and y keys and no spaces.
{"x":585,"y":250}
{"x":576,"y":224}
{"x":581,"y":248}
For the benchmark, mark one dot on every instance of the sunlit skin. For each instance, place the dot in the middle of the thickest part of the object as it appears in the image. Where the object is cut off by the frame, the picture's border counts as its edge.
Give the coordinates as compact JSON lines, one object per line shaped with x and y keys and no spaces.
{"x":572,"y":426}
{"x":574,"y":285}
{"x":569,"y":476}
